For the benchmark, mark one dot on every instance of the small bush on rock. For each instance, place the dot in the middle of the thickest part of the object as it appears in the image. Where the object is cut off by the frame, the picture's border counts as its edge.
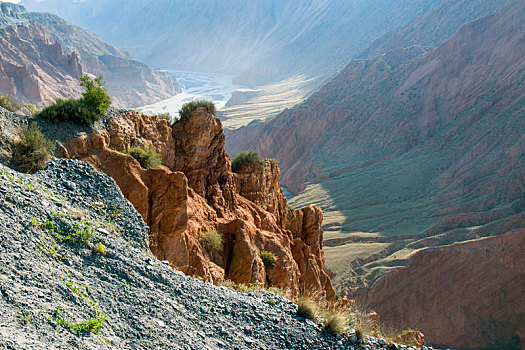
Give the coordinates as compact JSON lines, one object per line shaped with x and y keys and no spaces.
{"x":33,"y":150}
{"x":9,"y":103}
{"x":85,"y":111}
{"x":246,"y":158}
{"x":268,"y":258}
{"x":100,"y":249}
{"x":165,"y":116}
{"x":148,"y":157}
{"x":335,"y":322}
{"x":187,"y":109}
{"x":94,"y":95}
{"x":307,"y":308}
{"x":71,"y":110}
{"x":210,"y":240}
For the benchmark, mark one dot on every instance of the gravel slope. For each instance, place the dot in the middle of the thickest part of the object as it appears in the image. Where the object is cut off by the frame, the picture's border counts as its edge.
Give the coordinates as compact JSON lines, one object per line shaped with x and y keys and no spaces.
{"x":148,"y":304}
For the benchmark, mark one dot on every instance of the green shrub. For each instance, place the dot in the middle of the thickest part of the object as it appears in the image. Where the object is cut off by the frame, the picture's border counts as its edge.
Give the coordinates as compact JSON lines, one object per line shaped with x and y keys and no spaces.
{"x":268,"y":258}
{"x":148,"y":157}
{"x":100,"y":249}
{"x":94,"y":95}
{"x":335,"y":322}
{"x":93,"y":325}
{"x":187,"y":109}
{"x":32,"y":109}
{"x":210,"y":240}
{"x":71,"y":110}
{"x":246,"y":158}
{"x":270,"y":302}
{"x":307,"y":308}
{"x":32,"y":151}
{"x":9,"y":103}
{"x":85,"y":111}
{"x":165,"y":116}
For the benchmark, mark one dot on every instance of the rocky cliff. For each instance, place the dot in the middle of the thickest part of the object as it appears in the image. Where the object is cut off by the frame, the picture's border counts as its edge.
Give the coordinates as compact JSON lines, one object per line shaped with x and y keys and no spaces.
{"x":42,"y":56}
{"x":60,"y":292}
{"x":196,"y":191}
{"x":467,"y":294}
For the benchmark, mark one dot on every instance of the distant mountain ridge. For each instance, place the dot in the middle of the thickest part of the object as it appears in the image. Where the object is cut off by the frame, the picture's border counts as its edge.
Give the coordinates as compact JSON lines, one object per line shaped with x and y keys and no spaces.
{"x":259,"y":41}
{"x":42,"y":56}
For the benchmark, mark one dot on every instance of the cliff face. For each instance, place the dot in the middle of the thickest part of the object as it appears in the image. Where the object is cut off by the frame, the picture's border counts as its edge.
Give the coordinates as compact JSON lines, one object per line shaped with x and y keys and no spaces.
{"x":463,"y":295}
{"x":196,"y":191}
{"x":42,"y":56}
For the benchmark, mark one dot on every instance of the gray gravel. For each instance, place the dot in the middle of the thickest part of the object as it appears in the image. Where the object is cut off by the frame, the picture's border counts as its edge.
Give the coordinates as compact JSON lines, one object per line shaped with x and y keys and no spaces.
{"x":148,"y":304}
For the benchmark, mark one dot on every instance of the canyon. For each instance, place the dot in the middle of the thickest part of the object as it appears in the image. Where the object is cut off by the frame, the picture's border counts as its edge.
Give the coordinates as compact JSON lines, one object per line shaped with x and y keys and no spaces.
{"x":42,"y":56}
{"x":409,"y":148}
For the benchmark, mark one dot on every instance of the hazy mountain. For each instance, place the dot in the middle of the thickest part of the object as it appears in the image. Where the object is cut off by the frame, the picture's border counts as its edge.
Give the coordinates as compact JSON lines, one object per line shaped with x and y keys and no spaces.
{"x":413,"y":142}
{"x":261,"y":41}
{"x":42,"y":56}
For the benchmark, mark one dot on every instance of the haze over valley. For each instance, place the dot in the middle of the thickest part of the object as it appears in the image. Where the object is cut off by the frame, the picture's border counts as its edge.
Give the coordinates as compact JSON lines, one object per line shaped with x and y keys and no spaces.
{"x":369,"y":155}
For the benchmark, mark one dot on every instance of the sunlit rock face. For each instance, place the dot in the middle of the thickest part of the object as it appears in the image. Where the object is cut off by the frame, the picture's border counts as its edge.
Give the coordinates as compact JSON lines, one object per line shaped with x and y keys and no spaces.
{"x":196,"y":191}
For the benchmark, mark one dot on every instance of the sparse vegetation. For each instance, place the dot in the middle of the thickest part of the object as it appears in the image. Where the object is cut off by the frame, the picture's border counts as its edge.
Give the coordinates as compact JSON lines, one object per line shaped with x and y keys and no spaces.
{"x":32,"y":151}
{"x":187,"y":109}
{"x":85,"y":111}
{"x":165,"y":116}
{"x":63,"y":231}
{"x":210,"y":240}
{"x":70,"y":110}
{"x":100,"y":249}
{"x":93,"y":325}
{"x":9,"y":103}
{"x":335,"y":322}
{"x":94,"y":95}
{"x":246,"y":158}
{"x":148,"y":157}
{"x":270,"y":301}
{"x":25,"y":316}
{"x":307,"y":308}
{"x":32,"y":109}
{"x":268,"y":258}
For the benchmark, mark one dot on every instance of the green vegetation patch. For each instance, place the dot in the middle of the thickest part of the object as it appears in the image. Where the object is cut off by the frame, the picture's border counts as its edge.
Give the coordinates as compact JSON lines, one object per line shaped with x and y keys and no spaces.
{"x":70,"y":110}
{"x":246,"y":158}
{"x":9,"y":103}
{"x":187,"y":109}
{"x":63,"y":231}
{"x":31,"y":153}
{"x":148,"y":157}
{"x":85,"y":111}
{"x":268,"y":258}
{"x":210,"y":240}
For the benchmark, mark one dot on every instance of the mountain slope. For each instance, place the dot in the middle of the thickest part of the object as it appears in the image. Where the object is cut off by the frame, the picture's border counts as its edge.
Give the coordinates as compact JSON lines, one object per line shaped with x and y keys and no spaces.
{"x":145,"y":304}
{"x":410,"y":144}
{"x":482,"y":305}
{"x":260,"y":41}
{"x":42,"y":56}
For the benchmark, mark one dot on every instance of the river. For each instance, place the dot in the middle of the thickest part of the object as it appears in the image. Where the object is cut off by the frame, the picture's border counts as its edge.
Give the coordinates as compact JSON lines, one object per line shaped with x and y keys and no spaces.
{"x":195,"y":86}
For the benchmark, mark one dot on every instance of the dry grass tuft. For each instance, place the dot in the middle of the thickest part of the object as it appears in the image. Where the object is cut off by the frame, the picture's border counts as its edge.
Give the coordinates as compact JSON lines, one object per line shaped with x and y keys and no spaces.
{"x":307,"y":308}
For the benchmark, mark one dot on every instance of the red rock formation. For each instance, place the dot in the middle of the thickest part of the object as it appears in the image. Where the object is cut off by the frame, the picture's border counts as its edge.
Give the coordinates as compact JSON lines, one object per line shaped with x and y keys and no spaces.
{"x":463,"y":295}
{"x":196,"y":191}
